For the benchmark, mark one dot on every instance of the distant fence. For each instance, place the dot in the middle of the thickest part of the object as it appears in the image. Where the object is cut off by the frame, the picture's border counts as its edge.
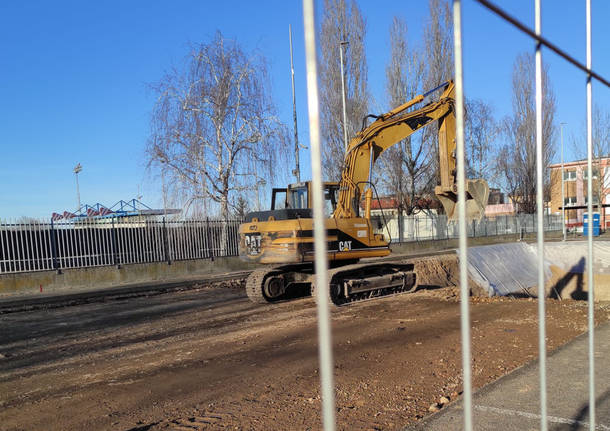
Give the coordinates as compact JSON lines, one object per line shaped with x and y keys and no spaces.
{"x":41,"y":246}
{"x":436,"y":227}
{"x":36,"y":246}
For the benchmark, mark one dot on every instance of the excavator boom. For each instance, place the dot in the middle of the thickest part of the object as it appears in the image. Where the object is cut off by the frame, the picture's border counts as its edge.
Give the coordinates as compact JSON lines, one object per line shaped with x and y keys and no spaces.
{"x":389,"y":129}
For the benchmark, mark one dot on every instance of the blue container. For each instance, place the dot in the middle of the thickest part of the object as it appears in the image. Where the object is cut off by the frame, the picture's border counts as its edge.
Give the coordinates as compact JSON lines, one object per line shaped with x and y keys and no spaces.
{"x":596,"y":224}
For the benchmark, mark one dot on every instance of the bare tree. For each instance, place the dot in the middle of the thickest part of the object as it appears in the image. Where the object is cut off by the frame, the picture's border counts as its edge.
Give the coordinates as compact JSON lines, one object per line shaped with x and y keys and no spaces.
{"x":481,"y":132}
{"x":438,"y":49}
{"x":404,"y":165}
{"x":601,"y":149}
{"x":241,"y":207}
{"x":214,"y":129}
{"x":517,"y":158}
{"x":600,"y":135}
{"x":342,"y":22}
{"x":438,"y":42}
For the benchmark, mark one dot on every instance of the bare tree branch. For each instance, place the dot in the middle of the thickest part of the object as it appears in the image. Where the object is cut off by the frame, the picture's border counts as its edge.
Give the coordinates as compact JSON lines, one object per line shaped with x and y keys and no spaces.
{"x":438,"y":51}
{"x":481,"y":132}
{"x":342,"y":21}
{"x":517,"y":159}
{"x":214,"y":128}
{"x":404,"y":165}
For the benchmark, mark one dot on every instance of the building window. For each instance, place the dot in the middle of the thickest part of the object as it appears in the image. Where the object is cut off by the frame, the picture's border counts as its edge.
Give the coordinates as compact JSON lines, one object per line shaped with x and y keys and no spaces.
{"x":568,"y":201}
{"x":585,"y":173}
{"x":569,"y":175}
{"x":595,"y":200}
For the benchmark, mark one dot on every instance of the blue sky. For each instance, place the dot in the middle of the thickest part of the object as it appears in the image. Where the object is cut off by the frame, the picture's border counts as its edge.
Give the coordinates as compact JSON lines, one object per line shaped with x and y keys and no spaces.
{"x":75,"y":78}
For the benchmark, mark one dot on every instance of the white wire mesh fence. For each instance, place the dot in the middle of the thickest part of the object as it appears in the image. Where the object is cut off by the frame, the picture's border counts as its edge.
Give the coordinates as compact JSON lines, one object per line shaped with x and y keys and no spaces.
{"x":43,"y":246}
{"x":539,"y":41}
{"x":432,"y":227}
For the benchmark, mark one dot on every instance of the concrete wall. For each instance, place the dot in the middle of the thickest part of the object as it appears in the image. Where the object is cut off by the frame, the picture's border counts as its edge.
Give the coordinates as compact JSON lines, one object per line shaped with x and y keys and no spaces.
{"x":110,"y":276}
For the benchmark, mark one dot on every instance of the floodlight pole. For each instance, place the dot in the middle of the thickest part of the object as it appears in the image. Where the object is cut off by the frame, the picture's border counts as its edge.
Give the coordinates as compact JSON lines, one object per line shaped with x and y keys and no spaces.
{"x":563,"y":202}
{"x":78,"y":168}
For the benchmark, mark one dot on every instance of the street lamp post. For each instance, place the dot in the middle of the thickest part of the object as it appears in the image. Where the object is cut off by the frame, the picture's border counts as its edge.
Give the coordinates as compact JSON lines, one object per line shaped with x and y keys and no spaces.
{"x":297,"y":169}
{"x":77,"y":169}
{"x":341,"y":45}
{"x":563,"y":202}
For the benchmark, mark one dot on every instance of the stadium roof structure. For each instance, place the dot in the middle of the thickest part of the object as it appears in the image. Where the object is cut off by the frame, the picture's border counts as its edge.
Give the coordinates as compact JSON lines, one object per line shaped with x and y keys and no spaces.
{"x":122,"y":208}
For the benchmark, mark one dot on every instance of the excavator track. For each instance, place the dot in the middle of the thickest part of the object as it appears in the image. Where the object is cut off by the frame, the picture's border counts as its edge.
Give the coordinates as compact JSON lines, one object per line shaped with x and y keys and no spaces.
{"x":277,"y":283}
{"x":255,"y":285}
{"x":366,"y":281}
{"x":348,"y":283}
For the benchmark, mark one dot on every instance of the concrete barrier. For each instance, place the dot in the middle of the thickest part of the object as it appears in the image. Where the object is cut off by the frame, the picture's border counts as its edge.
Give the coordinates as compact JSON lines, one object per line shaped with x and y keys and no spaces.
{"x":511,"y":269}
{"x":110,"y":276}
{"x":504,"y":269}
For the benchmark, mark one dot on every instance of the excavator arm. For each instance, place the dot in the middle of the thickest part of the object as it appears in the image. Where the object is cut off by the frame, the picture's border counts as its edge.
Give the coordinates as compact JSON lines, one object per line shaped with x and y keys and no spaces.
{"x":389,"y":129}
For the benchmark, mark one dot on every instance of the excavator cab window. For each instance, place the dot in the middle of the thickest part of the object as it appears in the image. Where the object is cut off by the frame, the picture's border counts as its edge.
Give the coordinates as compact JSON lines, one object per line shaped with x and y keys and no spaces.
{"x":278,"y":199}
{"x":331,"y":192}
{"x":297,"y":198}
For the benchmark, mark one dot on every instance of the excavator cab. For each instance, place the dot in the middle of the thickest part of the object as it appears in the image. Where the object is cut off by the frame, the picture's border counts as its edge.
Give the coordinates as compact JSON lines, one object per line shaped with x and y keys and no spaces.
{"x":280,"y":235}
{"x":298,"y":196}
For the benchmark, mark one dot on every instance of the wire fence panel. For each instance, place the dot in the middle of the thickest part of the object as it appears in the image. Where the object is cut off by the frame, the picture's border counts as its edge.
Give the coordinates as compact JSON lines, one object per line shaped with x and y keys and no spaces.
{"x":436,"y":227}
{"x":44,"y":246}
{"x":40,"y":246}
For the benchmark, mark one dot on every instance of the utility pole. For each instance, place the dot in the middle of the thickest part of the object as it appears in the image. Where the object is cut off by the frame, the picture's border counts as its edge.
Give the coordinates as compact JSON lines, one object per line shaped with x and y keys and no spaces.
{"x":563,"y":203}
{"x":297,"y":170}
{"x":78,"y":168}
{"x":341,"y":44}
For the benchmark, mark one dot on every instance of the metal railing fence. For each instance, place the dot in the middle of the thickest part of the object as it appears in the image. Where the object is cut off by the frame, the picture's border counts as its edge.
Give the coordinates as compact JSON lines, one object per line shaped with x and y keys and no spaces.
{"x":43,"y":246}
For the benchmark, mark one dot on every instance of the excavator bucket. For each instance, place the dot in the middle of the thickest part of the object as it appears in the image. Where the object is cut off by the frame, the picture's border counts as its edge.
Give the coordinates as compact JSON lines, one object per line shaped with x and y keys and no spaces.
{"x":477,"y":193}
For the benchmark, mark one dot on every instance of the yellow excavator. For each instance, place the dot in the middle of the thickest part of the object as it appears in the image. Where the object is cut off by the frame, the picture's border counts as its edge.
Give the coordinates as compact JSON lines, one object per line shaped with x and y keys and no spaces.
{"x":282,"y":238}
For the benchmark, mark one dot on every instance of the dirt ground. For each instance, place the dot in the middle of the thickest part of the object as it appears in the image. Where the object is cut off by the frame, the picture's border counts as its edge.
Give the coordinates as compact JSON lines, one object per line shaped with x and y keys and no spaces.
{"x":571,"y":285}
{"x":210,"y":359}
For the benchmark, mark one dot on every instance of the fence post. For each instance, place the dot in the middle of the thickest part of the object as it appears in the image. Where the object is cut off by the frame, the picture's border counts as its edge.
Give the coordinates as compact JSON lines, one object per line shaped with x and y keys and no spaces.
{"x":516,"y":224}
{"x":207,"y":234}
{"x":224,"y":239}
{"x":400,"y":226}
{"x":54,"y":248}
{"x":115,"y":255}
{"x":166,"y":244}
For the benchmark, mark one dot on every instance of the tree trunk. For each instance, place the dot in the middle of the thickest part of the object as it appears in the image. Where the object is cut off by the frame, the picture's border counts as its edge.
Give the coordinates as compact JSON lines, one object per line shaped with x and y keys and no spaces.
{"x":224,"y":233}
